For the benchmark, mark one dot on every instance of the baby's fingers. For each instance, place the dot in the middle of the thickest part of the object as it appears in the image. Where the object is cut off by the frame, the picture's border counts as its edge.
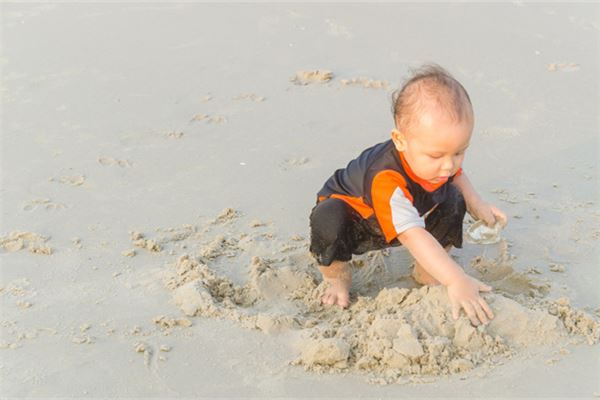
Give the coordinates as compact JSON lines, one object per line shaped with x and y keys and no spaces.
{"x":455,"y":310}
{"x":480,"y":314}
{"x":471,"y":314}
{"x":489,"y":217}
{"x":499,"y":215}
{"x":486,"y":308}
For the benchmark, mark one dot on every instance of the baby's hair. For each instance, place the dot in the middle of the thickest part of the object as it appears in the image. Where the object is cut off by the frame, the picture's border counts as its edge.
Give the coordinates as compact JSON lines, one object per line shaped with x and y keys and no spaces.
{"x":430,"y":85}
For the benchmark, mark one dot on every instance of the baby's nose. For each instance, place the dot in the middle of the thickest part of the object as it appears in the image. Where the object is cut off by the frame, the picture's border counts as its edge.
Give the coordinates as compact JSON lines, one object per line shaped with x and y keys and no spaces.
{"x":448,"y":165}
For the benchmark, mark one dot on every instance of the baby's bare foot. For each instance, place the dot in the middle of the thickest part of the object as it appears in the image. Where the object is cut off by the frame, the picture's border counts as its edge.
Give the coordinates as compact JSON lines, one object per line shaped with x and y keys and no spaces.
{"x":339,"y":277}
{"x":338,"y":292}
{"x":422,"y":277}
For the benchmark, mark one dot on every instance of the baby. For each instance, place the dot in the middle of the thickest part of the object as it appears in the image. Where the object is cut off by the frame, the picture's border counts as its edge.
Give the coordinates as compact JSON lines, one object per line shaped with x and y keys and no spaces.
{"x":411,"y":191}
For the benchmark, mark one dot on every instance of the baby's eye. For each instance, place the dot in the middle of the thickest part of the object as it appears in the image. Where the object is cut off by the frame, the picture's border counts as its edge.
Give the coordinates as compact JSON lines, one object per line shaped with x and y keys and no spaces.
{"x":436,"y":156}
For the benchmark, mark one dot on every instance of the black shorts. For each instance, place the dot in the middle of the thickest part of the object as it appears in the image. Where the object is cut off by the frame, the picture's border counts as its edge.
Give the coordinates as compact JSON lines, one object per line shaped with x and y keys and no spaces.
{"x":337,"y":231}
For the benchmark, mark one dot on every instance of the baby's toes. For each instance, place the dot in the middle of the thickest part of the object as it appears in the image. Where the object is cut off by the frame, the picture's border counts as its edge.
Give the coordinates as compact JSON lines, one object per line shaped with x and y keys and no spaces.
{"x":343,"y":300}
{"x":328,"y":299}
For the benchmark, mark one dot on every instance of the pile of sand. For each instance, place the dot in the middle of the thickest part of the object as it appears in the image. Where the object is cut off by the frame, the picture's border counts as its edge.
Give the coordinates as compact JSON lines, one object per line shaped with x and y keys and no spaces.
{"x":35,"y":243}
{"x":391,"y":331}
{"x":108,"y":161}
{"x":308,"y":77}
{"x":211,"y":119}
{"x":366,"y":83}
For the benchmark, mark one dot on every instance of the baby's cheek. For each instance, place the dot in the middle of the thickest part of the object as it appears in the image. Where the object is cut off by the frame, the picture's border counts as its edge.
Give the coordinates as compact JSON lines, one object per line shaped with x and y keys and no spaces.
{"x":459,"y":162}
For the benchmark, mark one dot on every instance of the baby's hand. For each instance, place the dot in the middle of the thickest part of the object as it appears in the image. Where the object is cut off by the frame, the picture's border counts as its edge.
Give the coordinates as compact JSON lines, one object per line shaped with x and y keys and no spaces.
{"x":487,"y":213}
{"x":464,"y":293}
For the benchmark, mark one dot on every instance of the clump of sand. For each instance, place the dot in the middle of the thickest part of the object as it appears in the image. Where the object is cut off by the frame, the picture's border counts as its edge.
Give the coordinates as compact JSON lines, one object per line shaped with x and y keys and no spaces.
{"x":174,"y":135}
{"x":211,"y":119}
{"x":167,"y":322}
{"x":34,"y":242}
{"x":576,"y":321}
{"x":294,"y":162}
{"x":108,"y":161}
{"x":366,"y":83}
{"x":391,"y":332}
{"x":249,"y":96}
{"x":138,"y":239}
{"x":228,"y":214}
{"x":309,"y":77}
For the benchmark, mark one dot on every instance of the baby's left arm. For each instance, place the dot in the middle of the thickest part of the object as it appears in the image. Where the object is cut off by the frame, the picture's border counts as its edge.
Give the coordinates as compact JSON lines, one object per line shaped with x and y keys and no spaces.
{"x":478,"y":208}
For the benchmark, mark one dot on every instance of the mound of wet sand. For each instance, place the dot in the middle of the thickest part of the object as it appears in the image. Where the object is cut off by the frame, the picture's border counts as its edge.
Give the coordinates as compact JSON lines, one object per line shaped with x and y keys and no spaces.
{"x":392,"y":330}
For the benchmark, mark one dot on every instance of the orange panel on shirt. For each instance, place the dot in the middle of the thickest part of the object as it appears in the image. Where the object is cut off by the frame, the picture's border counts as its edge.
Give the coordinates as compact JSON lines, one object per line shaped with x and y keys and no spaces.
{"x":356,"y":203}
{"x":383,"y":187}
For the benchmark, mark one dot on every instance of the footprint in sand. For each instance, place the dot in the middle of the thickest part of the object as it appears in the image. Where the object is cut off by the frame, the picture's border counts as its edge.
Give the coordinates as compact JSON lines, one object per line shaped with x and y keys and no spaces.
{"x":296,"y":162}
{"x":249,"y":96}
{"x":338,"y":30}
{"x":564,"y":67}
{"x":109,"y":161}
{"x":366,"y":83}
{"x":303,"y":78}
{"x":73,"y":180}
{"x":501,"y":132}
{"x":211,"y":119}
{"x":174,"y":135}
{"x":45,"y":203}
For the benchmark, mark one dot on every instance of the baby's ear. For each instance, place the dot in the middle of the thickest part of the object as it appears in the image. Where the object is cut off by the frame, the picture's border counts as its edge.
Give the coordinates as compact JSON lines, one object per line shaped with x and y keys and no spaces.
{"x":399,"y":140}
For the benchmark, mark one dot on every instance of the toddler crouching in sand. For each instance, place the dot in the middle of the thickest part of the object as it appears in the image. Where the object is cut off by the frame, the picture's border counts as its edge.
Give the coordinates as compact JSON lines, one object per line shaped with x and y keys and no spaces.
{"x":411,"y":191}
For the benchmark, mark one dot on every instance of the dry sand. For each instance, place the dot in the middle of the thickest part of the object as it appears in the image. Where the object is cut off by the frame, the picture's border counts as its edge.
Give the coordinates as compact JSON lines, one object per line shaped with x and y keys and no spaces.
{"x":159,"y":163}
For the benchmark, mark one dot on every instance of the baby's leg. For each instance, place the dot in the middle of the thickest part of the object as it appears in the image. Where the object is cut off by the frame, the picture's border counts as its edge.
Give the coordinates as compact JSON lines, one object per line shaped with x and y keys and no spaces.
{"x":423,"y":277}
{"x":339,"y":277}
{"x":333,"y":238}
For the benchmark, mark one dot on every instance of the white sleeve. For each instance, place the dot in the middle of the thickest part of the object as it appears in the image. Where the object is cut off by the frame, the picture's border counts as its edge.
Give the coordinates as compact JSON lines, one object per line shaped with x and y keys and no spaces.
{"x":404,"y":214}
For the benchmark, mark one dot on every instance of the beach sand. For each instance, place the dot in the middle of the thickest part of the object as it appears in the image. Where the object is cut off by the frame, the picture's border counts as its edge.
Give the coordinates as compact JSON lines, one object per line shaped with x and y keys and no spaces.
{"x":159,"y":163}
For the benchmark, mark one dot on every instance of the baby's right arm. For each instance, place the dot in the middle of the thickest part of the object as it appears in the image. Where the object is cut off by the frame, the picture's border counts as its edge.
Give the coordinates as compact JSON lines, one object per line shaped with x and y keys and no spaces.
{"x":463,"y":290}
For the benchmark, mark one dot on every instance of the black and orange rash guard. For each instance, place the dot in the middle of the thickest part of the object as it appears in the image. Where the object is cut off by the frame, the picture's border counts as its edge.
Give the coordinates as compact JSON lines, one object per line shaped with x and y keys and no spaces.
{"x":380,"y":184}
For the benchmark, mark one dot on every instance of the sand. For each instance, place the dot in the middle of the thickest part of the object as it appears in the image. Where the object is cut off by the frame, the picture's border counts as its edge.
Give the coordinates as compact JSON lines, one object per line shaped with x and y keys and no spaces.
{"x":159,"y":163}
{"x":390,"y":332}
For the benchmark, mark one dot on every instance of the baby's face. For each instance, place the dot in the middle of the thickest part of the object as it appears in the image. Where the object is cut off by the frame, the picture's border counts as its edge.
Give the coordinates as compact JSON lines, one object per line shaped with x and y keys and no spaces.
{"x":434,"y":147}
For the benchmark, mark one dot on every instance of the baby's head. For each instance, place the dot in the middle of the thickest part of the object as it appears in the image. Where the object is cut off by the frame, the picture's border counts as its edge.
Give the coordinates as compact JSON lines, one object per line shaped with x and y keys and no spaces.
{"x":433,"y":123}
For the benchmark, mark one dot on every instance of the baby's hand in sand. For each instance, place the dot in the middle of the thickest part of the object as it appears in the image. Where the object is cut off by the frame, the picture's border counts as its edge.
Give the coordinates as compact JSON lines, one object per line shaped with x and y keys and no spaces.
{"x":487,"y":213}
{"x":464,"y":293}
